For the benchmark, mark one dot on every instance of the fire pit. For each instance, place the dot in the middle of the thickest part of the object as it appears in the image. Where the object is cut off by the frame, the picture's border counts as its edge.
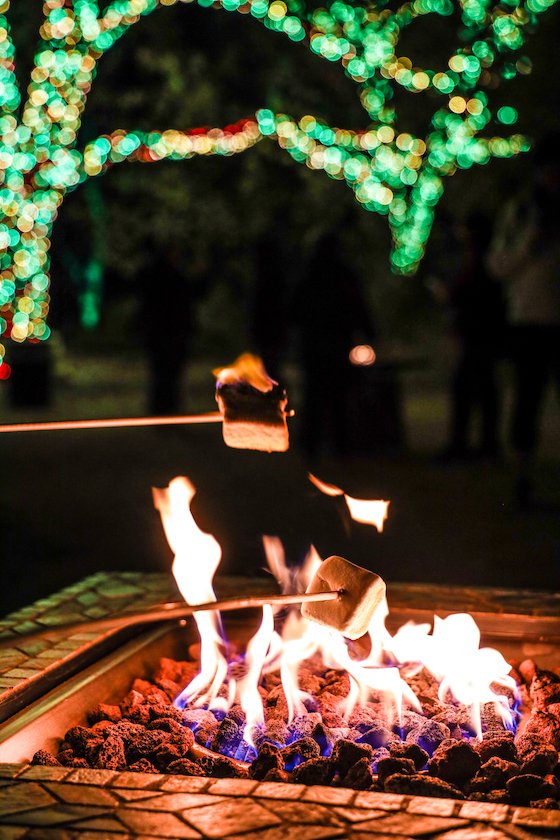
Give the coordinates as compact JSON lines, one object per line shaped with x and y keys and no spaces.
{"x":118,"y":803}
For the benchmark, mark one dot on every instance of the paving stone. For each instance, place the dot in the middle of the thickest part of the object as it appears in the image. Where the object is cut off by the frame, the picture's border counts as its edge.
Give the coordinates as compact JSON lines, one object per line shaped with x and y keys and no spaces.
{"x":292,"y":832}
{"x":477,"y":831}
{"x":44,"y":774}
{"x":104,"y":824}
{"x":329,"y":795}
{"x":432,"y":807}
{"x":84,"y":776}
{"x":279,"y":790}
{"x":137,"y":780}
{"x":519,"y":833}
{"x":358,"y":835}
{"x":49,"y":834}
{"x":9,"y":682}
{"x":358,"y":814}
{"x":233,"y":787}
{"x":304,"y":813}
{"x":229,"y":817}
{"x":384,"y":801}
{"x":13,"y":832}
{"x":484,"y":811}
{"x":537,"y":817}
{"x":126,"y":795}
{"x":412,"y":825}
{"x":23,"y":797}
{"x":95,"y":835}
{"x":58,"y":814}
{"x":184,"y":784}
{"x":10,"y":771}
{"x":176,"y":801}
{"x":82,"y":794}
{"x":158,"y":824}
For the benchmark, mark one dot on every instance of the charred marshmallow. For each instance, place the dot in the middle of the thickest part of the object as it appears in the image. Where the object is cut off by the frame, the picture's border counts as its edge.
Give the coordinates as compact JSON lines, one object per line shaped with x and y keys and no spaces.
{"x":253,"y":407}
{"x":361,"y":593}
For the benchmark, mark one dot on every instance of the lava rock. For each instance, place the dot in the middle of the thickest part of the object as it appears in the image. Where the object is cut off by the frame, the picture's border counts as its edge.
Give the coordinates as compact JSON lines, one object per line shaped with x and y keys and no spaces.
{"x":428,"y":735}
{"x":346,"y":753}
{"x":137,"y":714}
{"x":299,"y":751}
{"x":528,"y":787}
{"x":182,"y":767}
{"x":546,"y":724}
{"x":316,"y":771}
{"x":497,"y":746}
{"x":104,"y":712}
{"x":419,"y":756}
{"x":376,"y":736}
{"x":544,"y":689}
{"x":227,"y":737}
{"x":360,"y":776}
{"x":389,"y":766}
{"x":269,"y":758}
{"x":536,"y":755}
{"x":549,"y":804}
{"x":493,"y":775}
{"x":419,"y":785}
{"x":455,"y":763}
{"x":110,"y":755}
{"x":45,"y":759}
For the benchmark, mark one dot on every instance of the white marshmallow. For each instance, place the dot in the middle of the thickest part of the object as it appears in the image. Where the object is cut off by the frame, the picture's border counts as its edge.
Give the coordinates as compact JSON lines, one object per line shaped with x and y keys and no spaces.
{"x":361,"y":591}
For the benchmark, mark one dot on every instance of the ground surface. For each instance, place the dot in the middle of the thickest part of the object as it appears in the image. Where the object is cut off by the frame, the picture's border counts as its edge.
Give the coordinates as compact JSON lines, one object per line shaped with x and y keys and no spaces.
{"x":77,"y":502}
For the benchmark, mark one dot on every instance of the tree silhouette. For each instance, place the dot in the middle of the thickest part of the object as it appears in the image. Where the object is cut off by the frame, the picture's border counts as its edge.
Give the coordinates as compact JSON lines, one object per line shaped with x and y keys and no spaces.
{"x":391,"y":172}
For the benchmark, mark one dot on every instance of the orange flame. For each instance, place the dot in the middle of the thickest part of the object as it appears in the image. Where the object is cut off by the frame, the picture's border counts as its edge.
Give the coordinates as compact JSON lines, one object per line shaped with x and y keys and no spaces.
{"x":246,"y":368}
{"x":366,"y":511}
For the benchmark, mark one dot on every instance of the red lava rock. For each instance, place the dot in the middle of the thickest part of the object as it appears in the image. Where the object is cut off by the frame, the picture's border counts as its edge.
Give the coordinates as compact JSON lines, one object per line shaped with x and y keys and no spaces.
{"x":45,"y":759}
{"x":103,"y":728}
{"x":346,"y":753}
{"x":104,"y":712}
{"x":269,"y":758}
{"x":128,"y":731}
{"x":376,"y":736}
{"x":299,"y":751}
{"x":527,"y":669}
{"x":527,"y":787}
{"x":79,"y":763}
{"x":222,"y":768}
{"x":66,"y":757}
{"x":110,"y":755}
{"x":419,"y":756}
{"x":276,"y":775}
{"x":164,"y":755}
{"x":497,"y":796}
{"x":389,"y":766}
{"x":360,"y":775}
{"x":428,"y":735}
{"x":544,"y":688}
{"x":227,"y":737}
{"x":536,"y":755}
{"x":164,"y":710}
{"x":493,"y":774}
{"x":77,"y":738}
{"x":497,"y":746}
{"x":145,"y":744}
{"x":137,"y":714}
{"x":133,"y":698}
{"x":421,"y":786}
{"x":549,"y":804}
{"x":183,"y":767}
{"x":316,"y":771}
{"x":546,"y":724}
{"x":455,"y":763}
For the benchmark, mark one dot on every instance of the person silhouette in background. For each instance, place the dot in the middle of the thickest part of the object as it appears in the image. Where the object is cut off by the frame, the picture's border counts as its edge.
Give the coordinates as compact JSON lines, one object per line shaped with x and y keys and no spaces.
{"x":165,"y":320}
{"x":477,"y":315}
{"x":331,"y":315}
{"x":526,"y":253}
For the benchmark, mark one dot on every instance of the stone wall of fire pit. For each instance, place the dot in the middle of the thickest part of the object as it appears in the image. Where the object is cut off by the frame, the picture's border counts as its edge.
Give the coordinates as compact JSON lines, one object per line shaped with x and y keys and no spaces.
{"x":59,"y":803}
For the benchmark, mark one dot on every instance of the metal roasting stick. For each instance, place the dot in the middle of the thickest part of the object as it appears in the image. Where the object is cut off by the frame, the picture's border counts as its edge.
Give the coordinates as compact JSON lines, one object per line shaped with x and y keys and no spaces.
{"x":167,"y":612}
{"x":117,"y":423}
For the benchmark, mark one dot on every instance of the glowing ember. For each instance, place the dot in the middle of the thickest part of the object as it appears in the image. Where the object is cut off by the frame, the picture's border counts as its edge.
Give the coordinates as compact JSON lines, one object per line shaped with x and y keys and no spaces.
{"x":366,"y":511}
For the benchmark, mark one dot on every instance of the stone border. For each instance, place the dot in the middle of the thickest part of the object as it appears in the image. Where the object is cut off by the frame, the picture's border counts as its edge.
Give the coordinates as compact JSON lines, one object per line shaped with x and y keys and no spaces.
{"x":58,"y":803}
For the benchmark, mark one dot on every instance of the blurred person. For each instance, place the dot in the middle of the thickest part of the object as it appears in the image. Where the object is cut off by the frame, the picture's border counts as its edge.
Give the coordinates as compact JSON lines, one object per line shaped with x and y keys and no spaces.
{"x":331,"y":315}
{"x":165,"y":320}
{"x":526,"y":253}
{"x":477,"y":320}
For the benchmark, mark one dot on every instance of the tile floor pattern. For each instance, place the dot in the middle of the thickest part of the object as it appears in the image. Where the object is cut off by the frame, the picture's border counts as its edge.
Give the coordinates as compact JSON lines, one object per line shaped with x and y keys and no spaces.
{"x":57,"y":803}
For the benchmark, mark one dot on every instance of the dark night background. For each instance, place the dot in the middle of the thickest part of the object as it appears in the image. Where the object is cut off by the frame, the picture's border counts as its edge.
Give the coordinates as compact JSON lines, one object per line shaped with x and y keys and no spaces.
{"x":76,"y":502}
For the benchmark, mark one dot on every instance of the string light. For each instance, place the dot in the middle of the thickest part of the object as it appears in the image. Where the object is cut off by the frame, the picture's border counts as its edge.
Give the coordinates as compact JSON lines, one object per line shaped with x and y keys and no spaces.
{"x":392,"y":173}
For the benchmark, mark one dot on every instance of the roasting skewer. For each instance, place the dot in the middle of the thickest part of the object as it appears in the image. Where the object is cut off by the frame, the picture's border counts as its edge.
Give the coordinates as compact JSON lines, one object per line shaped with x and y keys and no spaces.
{"x":168,"y":612}
{"x":114,"y":423}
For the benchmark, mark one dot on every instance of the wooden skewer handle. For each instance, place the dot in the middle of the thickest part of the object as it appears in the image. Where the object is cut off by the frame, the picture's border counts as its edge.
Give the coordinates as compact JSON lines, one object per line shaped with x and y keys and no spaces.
{"x":167,"y":612}
{"x":116,"y":423}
